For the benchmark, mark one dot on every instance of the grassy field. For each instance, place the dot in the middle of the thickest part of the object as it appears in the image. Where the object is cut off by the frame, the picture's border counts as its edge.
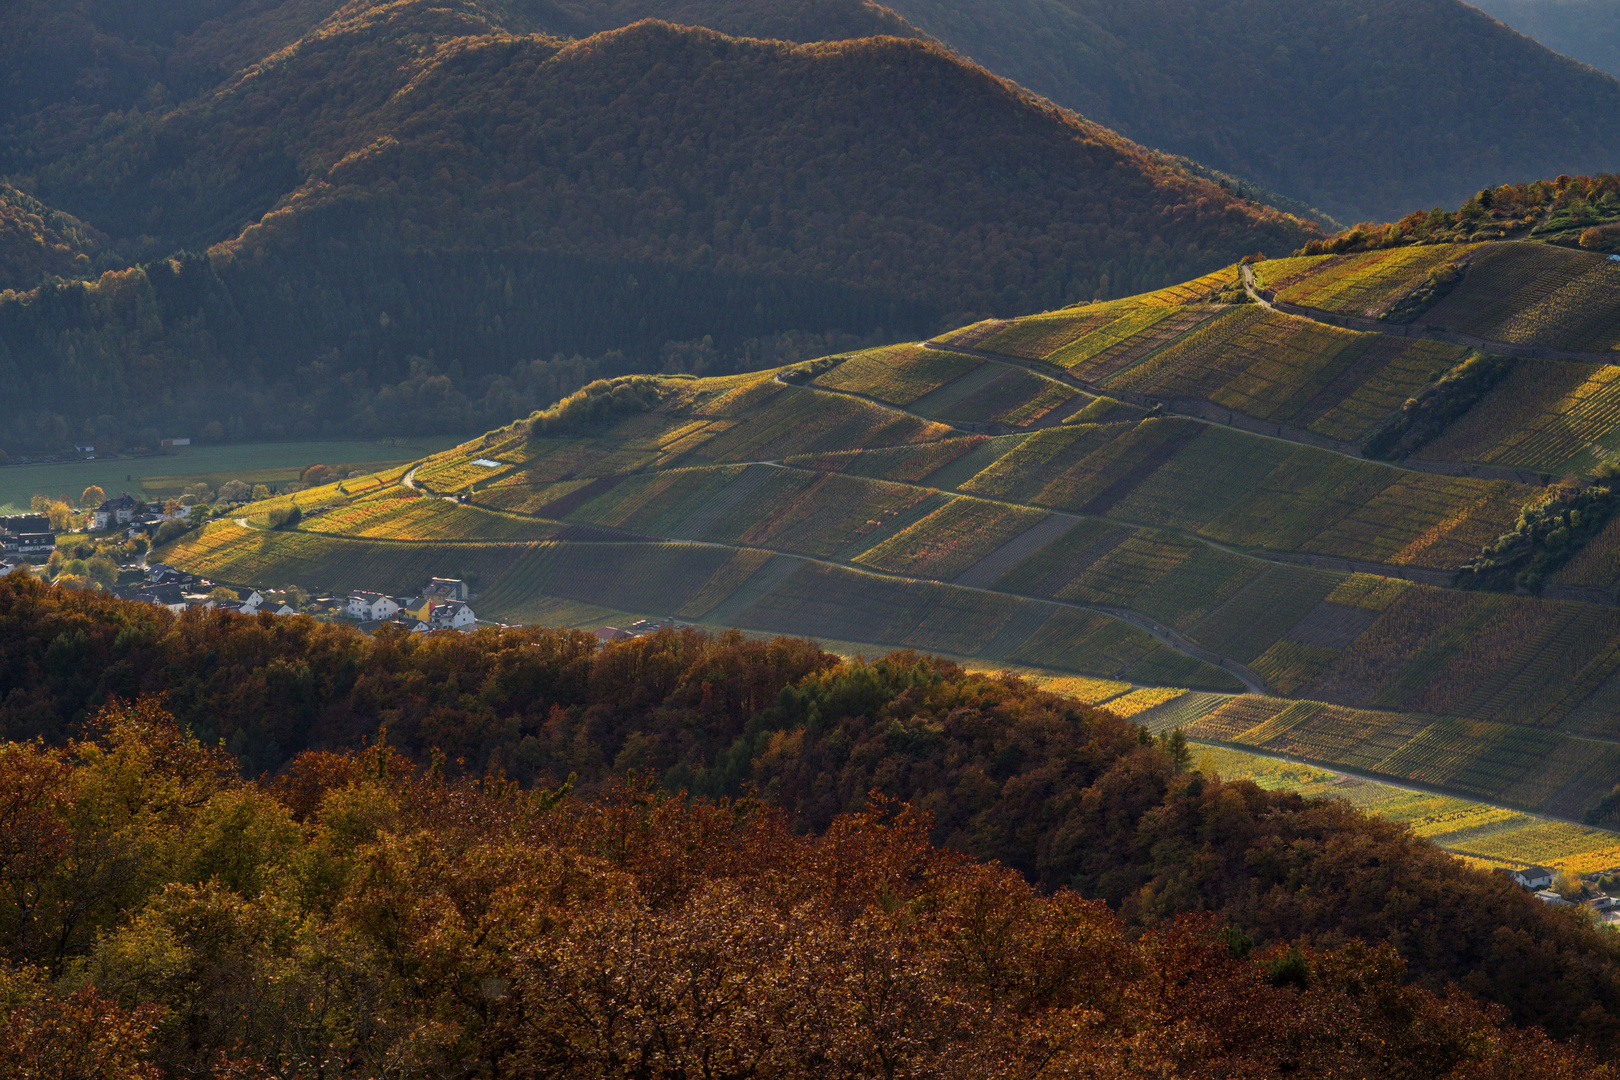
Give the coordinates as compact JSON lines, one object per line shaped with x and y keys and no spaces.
{"x":1485,"y":835}
{"x":165,"y":474}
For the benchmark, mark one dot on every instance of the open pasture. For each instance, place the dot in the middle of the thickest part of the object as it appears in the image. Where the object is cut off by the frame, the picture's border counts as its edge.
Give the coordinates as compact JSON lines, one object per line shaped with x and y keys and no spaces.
{"x":1535,"y":294}
{"x":898,"y":374}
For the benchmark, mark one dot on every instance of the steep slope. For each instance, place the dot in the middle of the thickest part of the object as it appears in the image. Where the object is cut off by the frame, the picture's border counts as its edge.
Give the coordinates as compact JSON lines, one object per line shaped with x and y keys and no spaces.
{"x":424,"y":194}
{"x":1169,"y":490}
{"x":1364,"y":108}
{"x":1585,"y":30}
{"x":36,"y":240}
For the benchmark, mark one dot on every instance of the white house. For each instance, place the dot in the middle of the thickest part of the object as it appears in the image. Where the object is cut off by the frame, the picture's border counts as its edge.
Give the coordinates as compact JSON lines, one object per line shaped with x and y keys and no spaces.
{"x":452,"y":616}
{"x":256,"y":603}
{"x":367,"y":606}
{"x":1533,"y":877}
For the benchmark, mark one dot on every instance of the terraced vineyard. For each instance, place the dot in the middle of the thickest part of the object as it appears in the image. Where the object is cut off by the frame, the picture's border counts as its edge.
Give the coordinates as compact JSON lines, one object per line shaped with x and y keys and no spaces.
{"x":1366,"y":284}
{"x":1503,"y":763}
{"x":1213,"y":531}
{"x":1534,"y":294}
{"x":1487,"y":836}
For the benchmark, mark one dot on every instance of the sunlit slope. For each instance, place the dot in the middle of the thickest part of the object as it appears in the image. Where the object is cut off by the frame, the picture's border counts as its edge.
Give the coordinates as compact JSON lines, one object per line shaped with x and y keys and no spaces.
{"x":986,"y":497}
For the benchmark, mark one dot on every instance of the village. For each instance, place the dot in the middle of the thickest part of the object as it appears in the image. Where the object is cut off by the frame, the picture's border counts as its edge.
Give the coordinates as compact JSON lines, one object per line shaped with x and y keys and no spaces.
{"x":443,"y":603}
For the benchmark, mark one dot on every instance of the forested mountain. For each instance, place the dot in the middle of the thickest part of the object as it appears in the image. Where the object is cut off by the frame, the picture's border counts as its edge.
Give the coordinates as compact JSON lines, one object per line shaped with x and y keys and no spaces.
{"x":1365,"y":108}
{"x":1586,"y":30}
{"x":413,"y":193}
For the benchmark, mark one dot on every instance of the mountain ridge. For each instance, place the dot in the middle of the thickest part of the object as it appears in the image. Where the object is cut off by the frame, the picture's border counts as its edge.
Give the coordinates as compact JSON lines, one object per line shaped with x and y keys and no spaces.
{"x":881,"y":187}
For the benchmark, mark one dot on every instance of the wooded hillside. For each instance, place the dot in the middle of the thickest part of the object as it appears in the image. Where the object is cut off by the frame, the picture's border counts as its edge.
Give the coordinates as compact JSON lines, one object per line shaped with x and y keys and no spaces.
{"x":1065,"y":795}
{"x":1365,"y":108}
{"x":360,"y":916}
{"x":453,"y":201}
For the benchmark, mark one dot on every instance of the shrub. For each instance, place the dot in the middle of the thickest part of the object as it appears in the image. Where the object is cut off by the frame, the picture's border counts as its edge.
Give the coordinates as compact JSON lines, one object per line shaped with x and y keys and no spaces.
{"x":597,"y":404}
{"x":234,"y":491}
{"x":1600,"y":237}
{"x":286,"y":517}
{"x":1424,"y":416}
{"x":1441,"y":280}
{"x":171,"y":530}
{"x":1546,"y":535}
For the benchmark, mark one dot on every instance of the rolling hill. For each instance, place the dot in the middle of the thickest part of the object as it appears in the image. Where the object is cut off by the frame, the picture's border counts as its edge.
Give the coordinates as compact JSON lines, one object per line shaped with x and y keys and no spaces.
{"x":1169,"y":490}
{"x":411,"y":204}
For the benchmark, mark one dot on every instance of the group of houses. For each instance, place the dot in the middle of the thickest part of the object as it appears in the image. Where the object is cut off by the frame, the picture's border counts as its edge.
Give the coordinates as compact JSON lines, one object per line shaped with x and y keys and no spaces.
{"x":126,"y":511}
{"x":179,"y":591}
{"x":1539,"y":880}
{"x":442,"y":605}
{"x":25,"y":535}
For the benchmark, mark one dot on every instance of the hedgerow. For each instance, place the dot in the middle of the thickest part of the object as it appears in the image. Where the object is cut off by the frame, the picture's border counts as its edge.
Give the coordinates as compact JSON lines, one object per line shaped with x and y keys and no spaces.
{"x":1546,"y":535}
{"x":1427,"y":413}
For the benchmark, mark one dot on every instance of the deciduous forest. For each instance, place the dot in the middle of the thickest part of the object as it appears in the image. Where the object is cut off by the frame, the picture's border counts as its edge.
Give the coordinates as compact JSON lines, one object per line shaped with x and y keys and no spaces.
{"x":1063,"y":796}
